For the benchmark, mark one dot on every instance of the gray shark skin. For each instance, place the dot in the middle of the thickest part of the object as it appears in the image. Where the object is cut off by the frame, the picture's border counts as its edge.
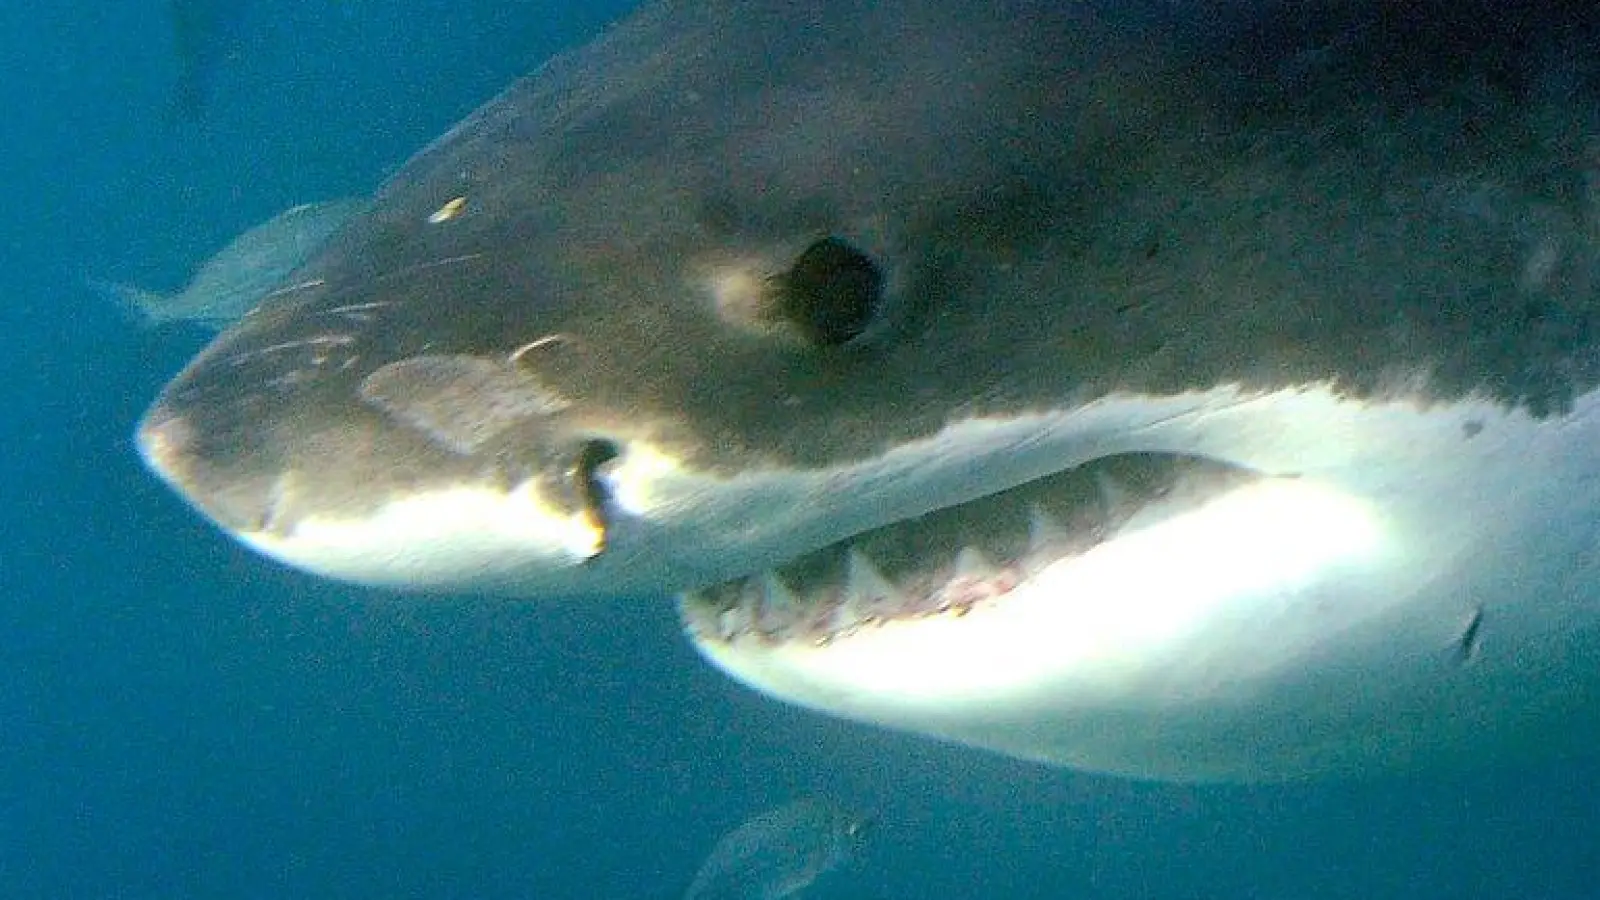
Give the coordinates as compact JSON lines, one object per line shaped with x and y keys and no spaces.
{"x":1166,"y":392}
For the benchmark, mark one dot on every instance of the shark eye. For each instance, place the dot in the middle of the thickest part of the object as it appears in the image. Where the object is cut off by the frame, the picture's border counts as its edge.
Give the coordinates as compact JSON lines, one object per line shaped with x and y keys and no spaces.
{"x":831,"y":293}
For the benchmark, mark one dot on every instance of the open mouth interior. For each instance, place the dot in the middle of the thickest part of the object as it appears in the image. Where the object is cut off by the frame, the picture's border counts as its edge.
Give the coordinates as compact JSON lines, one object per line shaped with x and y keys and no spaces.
{"x":953,"y":560}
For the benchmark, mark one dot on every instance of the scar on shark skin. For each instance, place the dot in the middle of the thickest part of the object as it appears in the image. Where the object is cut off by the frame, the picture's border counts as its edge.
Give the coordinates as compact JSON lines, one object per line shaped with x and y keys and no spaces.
{"x":1469,"y":642}
{"x":425,"y":266}
{"x":536,"y":343}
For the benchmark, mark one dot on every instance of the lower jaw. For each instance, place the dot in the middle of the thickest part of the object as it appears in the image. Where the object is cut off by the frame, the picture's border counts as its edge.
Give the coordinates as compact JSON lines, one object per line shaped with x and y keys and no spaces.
{"x":1201,"y":622}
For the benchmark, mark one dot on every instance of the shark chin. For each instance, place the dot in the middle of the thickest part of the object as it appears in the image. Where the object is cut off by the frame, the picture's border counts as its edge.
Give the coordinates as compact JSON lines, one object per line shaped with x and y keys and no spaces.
{"x":1189,"y":391}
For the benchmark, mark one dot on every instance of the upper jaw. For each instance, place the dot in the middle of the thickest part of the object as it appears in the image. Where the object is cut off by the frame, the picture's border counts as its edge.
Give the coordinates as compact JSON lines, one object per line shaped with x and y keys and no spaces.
{"x":665,"y":526}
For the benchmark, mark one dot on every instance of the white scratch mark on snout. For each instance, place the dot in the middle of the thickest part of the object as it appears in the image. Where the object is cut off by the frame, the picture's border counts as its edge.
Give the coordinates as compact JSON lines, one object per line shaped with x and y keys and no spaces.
{"x":537,"y":343}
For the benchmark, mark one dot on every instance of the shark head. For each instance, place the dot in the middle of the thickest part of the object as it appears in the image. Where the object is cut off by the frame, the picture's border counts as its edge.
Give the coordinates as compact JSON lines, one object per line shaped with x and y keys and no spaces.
{"x":1179,"y":396}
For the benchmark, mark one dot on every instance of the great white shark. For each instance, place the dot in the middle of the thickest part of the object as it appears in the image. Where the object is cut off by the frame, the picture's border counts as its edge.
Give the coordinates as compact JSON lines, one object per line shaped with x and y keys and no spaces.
{"x":1187,"y":391}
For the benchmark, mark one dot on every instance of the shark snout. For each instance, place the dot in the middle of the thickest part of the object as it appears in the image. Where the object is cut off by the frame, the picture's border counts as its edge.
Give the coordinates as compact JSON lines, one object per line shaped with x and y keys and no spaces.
{"x":163,"y":439}
{"x":172,"y":447}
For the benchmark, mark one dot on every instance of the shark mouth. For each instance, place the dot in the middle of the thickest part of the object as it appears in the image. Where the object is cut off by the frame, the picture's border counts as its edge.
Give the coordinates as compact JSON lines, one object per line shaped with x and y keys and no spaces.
{"x":957,"y":560}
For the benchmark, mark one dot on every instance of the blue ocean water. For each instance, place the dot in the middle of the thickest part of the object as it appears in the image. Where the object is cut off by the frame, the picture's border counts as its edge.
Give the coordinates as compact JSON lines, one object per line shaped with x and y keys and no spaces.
{"x":179,"y":718}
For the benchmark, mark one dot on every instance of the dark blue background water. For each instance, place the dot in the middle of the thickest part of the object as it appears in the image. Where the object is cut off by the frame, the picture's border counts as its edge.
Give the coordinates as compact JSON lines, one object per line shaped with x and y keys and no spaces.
{"x":181,"y":719}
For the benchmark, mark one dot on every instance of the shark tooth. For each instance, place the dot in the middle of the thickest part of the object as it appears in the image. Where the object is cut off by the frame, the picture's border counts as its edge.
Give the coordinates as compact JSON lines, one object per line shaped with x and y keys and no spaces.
{"x":866,"y":588}
{"x":1114,"y":495}
{"x":973,"y":565}
{"x":733,"y":622}
{"x":697,"y":615}
{"x":774,"y":609}
{"x":1044,"y":530}
{"x":776,"y":596}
